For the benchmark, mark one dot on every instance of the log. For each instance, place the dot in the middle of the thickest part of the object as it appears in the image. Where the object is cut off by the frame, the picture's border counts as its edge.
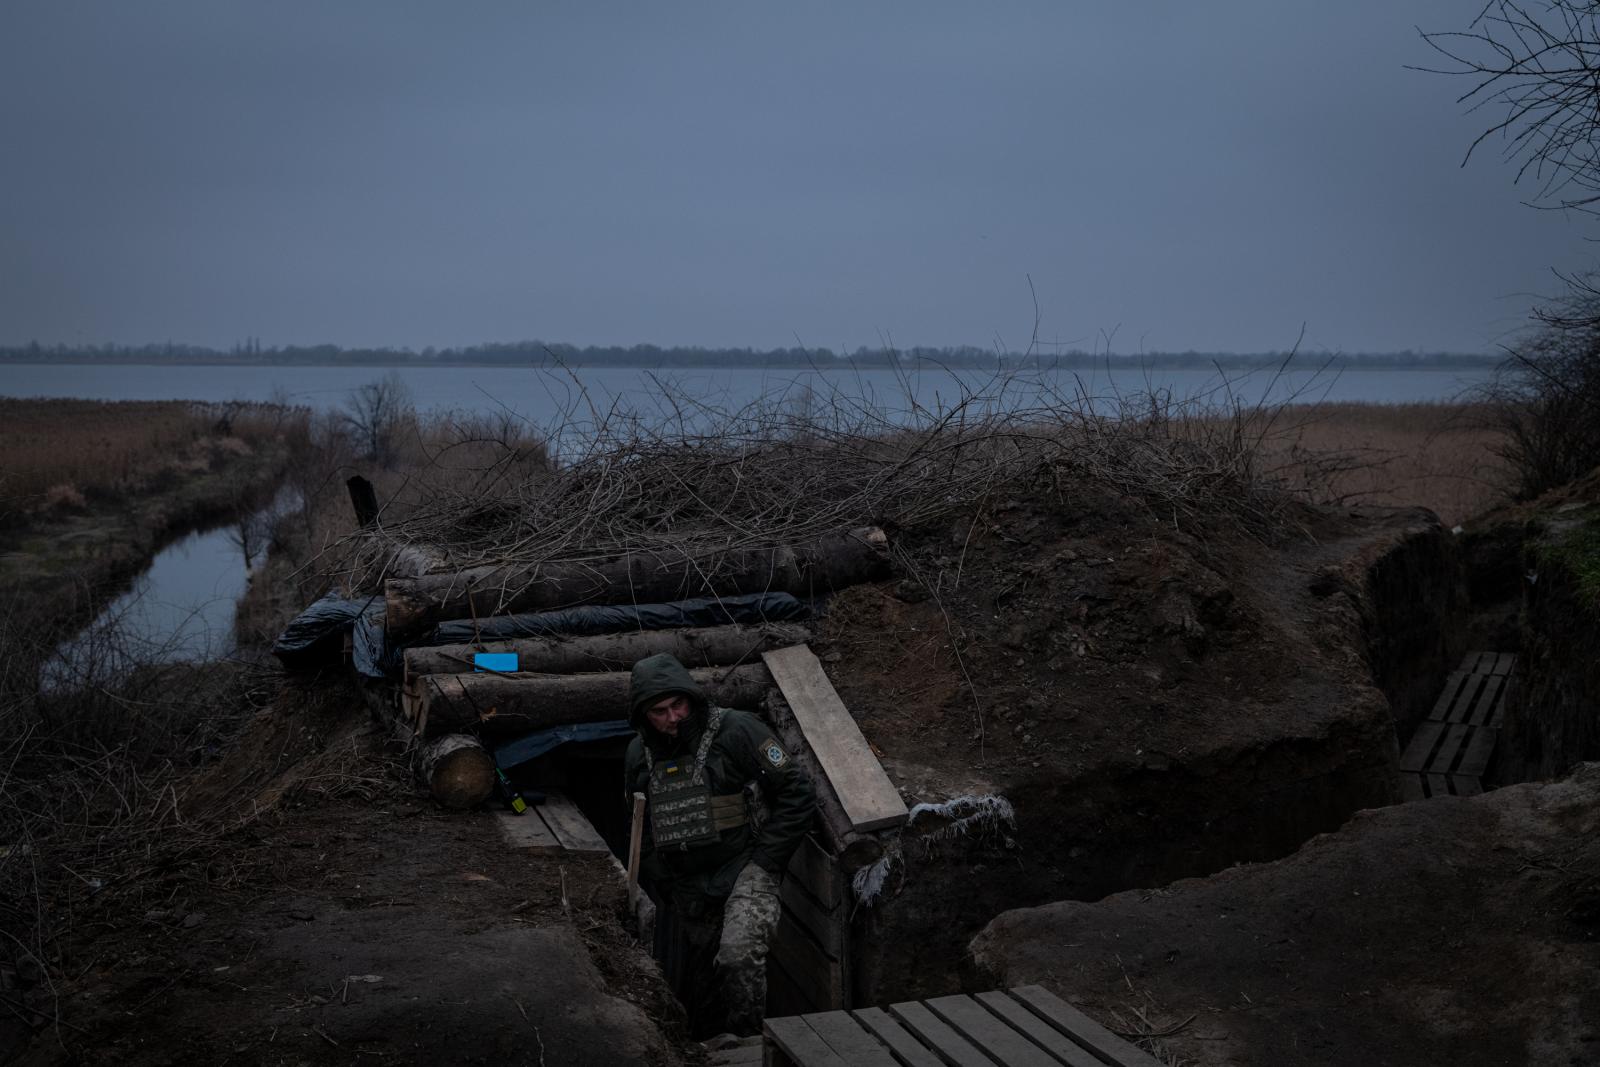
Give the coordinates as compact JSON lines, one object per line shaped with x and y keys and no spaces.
{"x":829,"y":563}
{"x":458,"y":771}
{"x":709,"y":646}
{"x":505,"y":706}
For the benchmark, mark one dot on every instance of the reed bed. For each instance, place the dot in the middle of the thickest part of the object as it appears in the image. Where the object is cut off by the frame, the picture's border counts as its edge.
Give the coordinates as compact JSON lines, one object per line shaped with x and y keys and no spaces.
{"x":62,"y":454}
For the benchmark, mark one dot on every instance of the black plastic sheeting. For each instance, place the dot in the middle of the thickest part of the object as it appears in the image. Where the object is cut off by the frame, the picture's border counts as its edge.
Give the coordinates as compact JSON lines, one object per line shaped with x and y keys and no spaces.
{"x":317,"y":634}
{"x":750,"y":609}
{"x":532,"y":746}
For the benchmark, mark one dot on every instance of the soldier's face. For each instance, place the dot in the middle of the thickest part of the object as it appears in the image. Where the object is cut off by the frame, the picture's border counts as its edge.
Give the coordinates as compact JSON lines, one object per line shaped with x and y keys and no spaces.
{"x":665,"y":714}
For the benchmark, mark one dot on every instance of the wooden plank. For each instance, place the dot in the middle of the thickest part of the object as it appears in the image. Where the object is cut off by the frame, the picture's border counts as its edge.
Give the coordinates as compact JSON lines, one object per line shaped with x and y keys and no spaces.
{"x":800,"y":1043}
{"x":822,"y":925}
{"x":1421,"y":746}
{"x":1465,"y":786}
{"x":820,"y":979}
{"x":1476,"y":759}
{"x":907,"y":1048}
{"x":1444,"y":759}
{"x":1447,"y":697}
{"x":1411,"y":786}
{"x":569,"y":825}
{"x":1487,"y":695}
{"x":1469,"y":662}
{"x":989,"y":1033}
{"x":784,"y":995}
{"x":870,"y":800}
{"x":1466,"y":702}
{"x":815,"y":870}
{"x":1496,"y":715}
{"x":845,"y":1036}
{"x":1082,"y":1029}
{"x":1508,"y":663}
{"x":1438,"y":785}
{"x":527,"y":832}
{"x":934,"y":1032}
{"x":1051,"y":1040}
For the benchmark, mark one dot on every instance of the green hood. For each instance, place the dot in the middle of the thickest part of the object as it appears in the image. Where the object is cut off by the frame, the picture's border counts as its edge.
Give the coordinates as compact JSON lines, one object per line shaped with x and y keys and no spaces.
{"x":653,"y":678}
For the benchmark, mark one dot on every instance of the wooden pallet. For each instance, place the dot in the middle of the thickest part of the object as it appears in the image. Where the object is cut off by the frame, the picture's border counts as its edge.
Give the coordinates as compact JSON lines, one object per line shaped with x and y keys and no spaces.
{"x":1450,"y":750}
{"x":1023,"y":1027}
{"x":555,"y":826}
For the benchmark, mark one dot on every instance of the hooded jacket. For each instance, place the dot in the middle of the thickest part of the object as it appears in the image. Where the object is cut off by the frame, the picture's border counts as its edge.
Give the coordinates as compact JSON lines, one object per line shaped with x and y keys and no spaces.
{"x":744,"y":749}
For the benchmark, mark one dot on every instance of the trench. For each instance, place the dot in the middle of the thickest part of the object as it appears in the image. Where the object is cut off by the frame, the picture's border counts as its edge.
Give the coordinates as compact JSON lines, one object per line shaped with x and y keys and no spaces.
{"x":1417,"y":607}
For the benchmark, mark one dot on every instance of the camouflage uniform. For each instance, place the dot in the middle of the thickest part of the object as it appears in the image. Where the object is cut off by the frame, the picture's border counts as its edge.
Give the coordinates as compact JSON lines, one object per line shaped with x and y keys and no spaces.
{"x":719,"y":877}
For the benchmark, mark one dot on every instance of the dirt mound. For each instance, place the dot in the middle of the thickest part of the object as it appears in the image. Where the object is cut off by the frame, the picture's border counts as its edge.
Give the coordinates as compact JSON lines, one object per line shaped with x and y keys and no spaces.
{"x":1154,"y":704}
{"x":1447,"y":931}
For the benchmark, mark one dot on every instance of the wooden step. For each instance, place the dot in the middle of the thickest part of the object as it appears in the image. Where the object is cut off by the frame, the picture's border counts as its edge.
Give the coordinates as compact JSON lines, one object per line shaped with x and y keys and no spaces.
{"x":552,"y":827}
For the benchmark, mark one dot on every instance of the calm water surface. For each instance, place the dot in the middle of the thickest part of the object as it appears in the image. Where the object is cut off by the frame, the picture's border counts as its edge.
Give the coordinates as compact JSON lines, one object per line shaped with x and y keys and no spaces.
{"x":546,"y":397}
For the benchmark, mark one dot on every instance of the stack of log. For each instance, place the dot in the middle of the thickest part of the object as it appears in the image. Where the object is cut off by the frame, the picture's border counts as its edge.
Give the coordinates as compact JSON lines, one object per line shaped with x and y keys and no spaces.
{"x":448,"y":706}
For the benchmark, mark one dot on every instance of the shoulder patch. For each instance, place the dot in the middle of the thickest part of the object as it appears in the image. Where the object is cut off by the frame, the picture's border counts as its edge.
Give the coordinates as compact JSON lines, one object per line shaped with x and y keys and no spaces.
{"x":773,"y":753}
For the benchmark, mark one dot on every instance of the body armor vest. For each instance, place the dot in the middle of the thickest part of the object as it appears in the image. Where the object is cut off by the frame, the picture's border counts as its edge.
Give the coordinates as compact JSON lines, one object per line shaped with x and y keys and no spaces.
{"x":683,"y":813}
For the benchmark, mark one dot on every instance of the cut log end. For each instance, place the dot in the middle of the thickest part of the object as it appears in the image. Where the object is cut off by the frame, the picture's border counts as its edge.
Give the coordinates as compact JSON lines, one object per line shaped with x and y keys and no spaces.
{"x":458,"y":771}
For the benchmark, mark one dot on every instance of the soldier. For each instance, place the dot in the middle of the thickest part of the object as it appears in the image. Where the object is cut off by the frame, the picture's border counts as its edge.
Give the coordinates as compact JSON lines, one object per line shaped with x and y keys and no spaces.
{"x":727,"y":808}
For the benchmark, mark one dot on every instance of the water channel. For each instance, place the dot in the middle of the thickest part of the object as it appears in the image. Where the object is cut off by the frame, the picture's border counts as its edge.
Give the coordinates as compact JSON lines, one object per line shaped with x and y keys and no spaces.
{"x":180,"y":609}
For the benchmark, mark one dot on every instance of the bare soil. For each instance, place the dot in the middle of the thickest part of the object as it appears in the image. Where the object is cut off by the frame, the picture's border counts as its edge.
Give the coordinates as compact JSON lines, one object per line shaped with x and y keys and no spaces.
{"x":349,"y":922}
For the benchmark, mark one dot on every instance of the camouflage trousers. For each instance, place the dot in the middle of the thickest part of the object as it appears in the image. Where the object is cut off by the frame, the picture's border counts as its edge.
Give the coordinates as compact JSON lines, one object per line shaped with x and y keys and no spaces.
{"x":733,"y":940}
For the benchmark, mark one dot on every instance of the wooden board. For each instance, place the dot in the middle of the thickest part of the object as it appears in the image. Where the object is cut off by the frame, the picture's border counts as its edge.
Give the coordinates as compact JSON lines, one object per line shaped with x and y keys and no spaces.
{"x":845,"y":1036}
{"x":1421,"y":746}
{"x":907,"y":1048}
{"x":1455,"y":739}
{"x":1082,"y":1029}
{"x":937,"y":1035}
{"x":870,"y":800}
{"x":1508,"y":661}
{"x":1411,"y":786}
{"x":1466,"y":787}
{"x":1467,"y":701}
{"x":815,"y":870}
{"x":569,"y":825}
{"x":1438,"y":785}
{"x":823,"y":925}
{"x":1447,"y":698}
{"x":1063,"y":1048}
{"x":989,"y":1033}
{"x":1479,"y":748}
{"x":800,"y":1043}
{"x":819,"y":979}
{"x":527,"y":831}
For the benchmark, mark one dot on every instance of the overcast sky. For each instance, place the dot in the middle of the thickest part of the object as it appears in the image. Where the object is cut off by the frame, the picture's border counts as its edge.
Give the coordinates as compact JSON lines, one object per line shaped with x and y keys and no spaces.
{"x":1204,"y":176}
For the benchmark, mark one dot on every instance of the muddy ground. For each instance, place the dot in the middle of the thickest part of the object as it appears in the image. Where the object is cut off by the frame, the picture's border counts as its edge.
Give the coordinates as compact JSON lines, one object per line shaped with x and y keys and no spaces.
{"x":341,"y":919}
{"x":1157,"y":703}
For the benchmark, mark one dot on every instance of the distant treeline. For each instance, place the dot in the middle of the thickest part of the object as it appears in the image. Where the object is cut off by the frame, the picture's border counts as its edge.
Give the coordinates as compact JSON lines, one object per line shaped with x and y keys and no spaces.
{"x":538,"y":353}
